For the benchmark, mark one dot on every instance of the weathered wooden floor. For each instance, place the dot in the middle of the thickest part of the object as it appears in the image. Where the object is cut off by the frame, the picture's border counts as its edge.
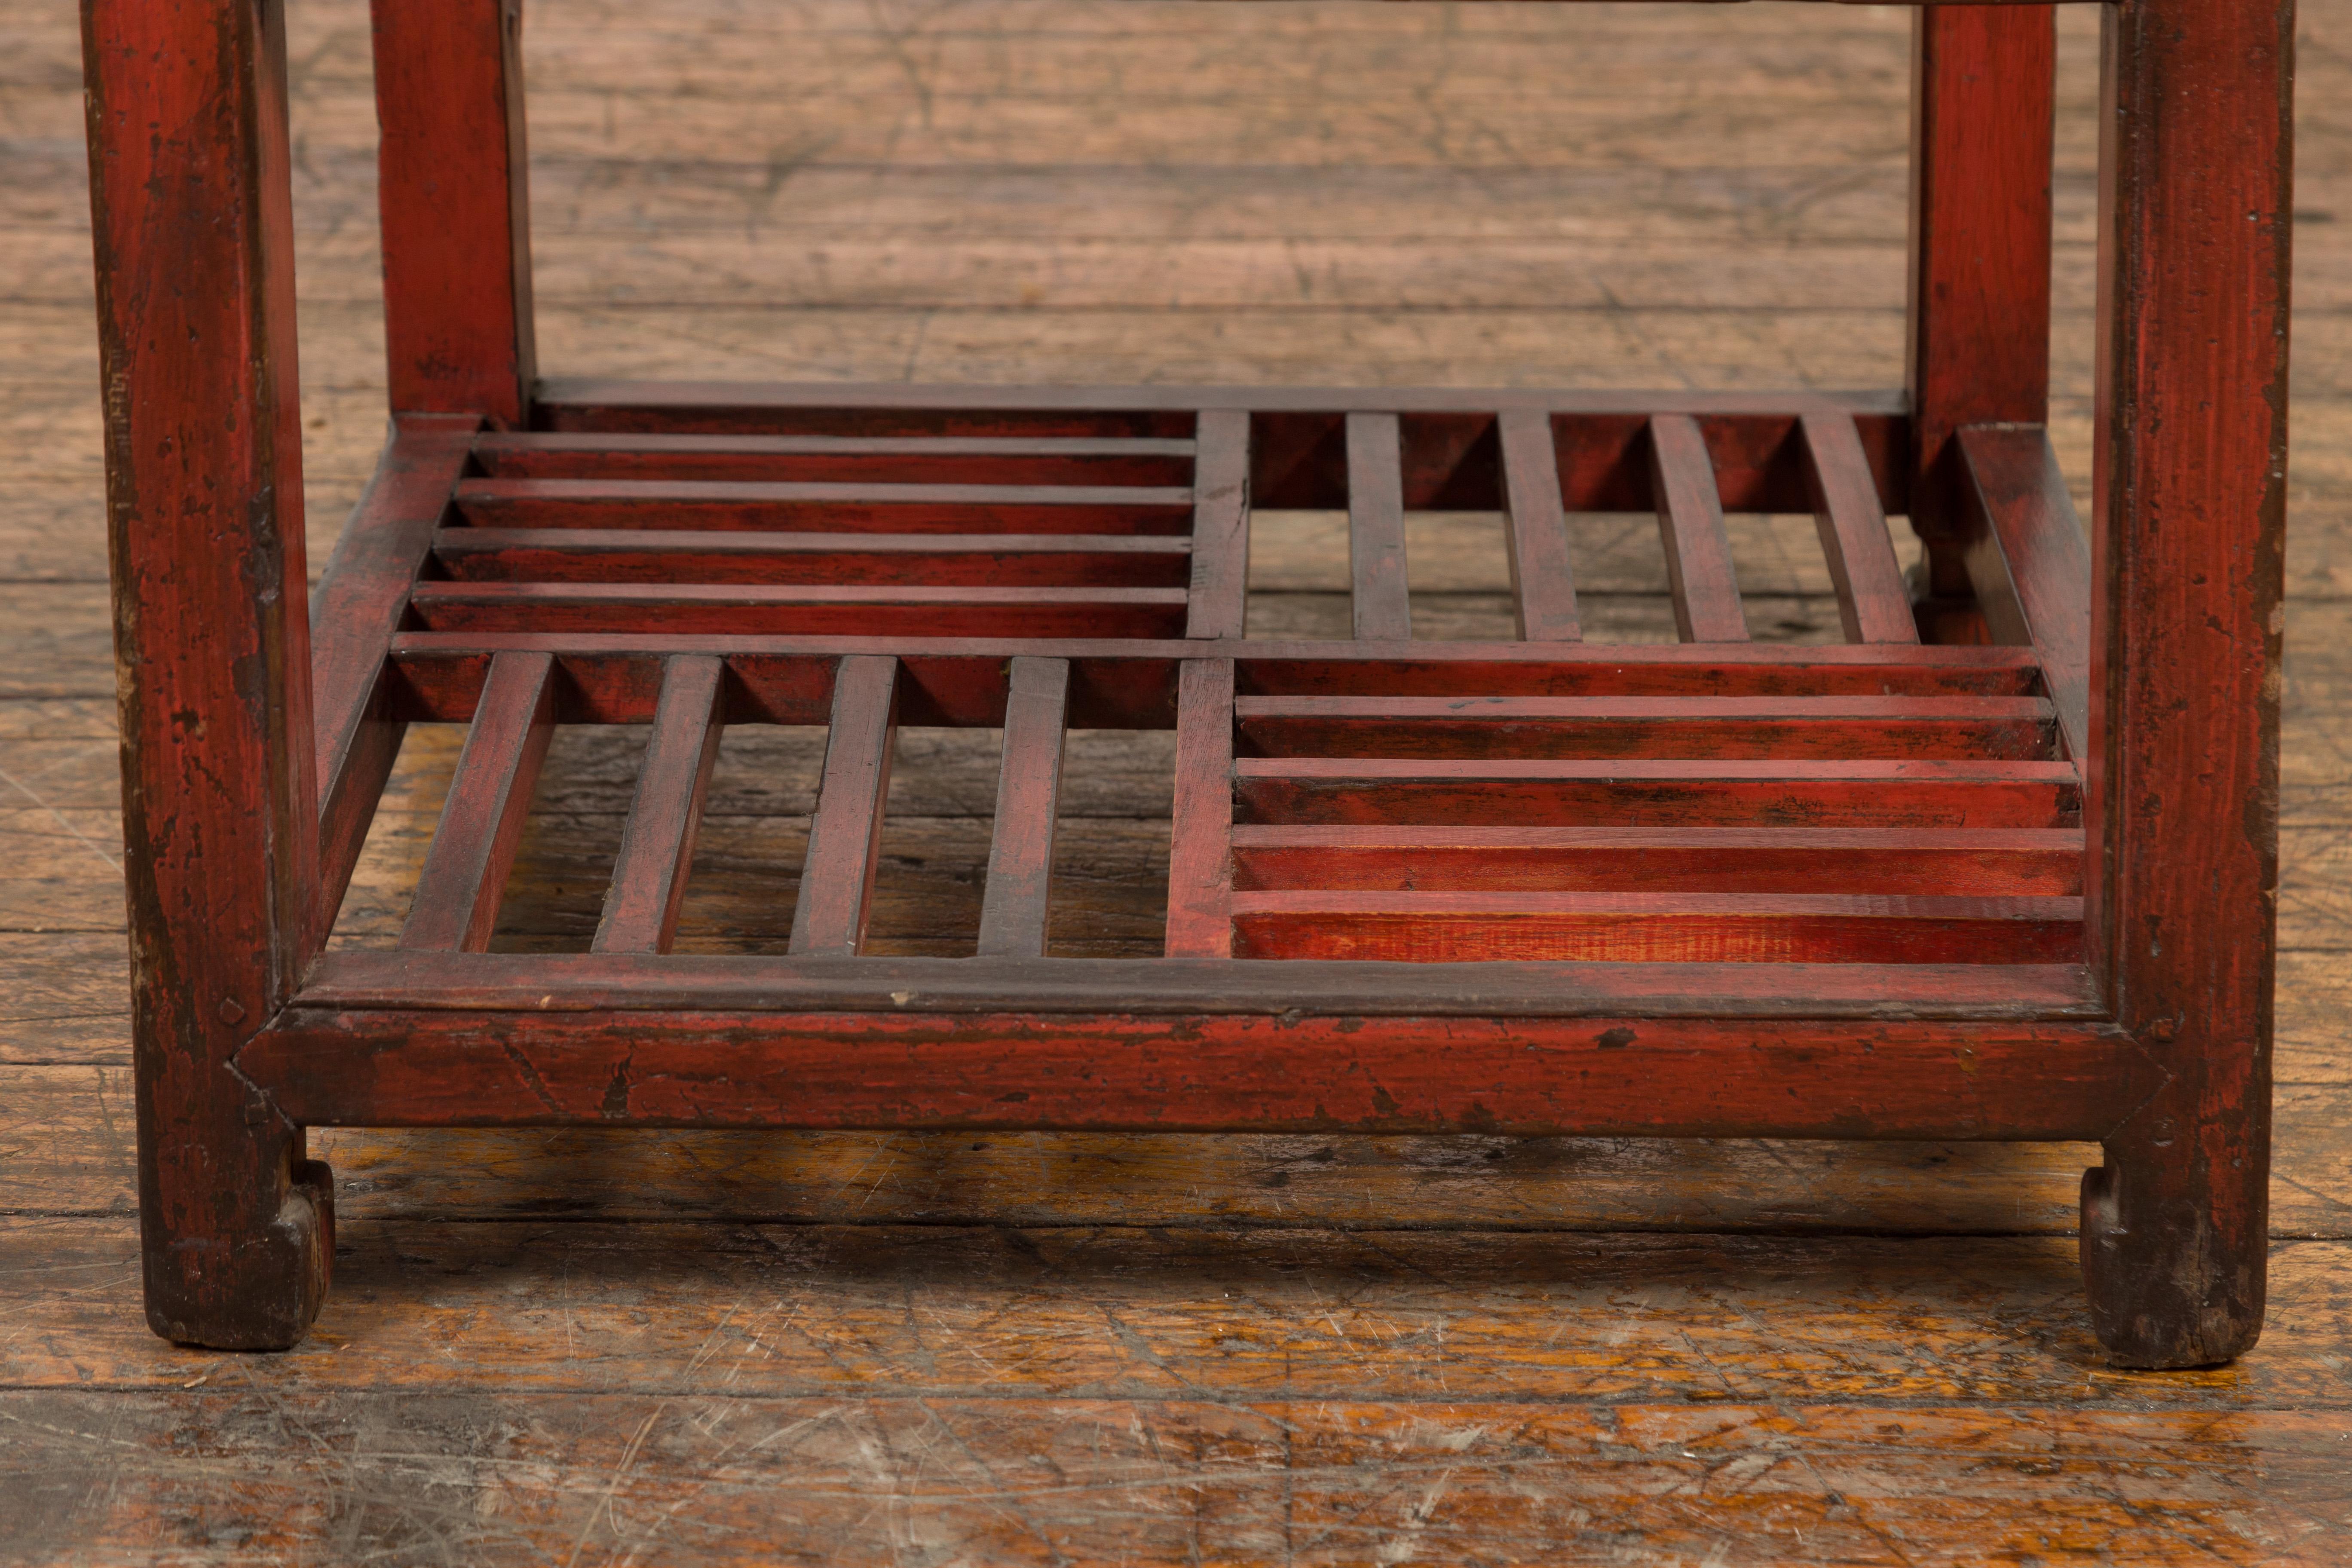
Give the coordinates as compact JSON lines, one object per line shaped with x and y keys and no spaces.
{"x":666,"y":1347}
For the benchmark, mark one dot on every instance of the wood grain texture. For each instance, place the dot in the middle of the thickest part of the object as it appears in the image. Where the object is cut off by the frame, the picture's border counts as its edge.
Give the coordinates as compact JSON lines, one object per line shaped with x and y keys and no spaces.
{"x":1774,"y":187}
{"x":1012,"y":920}
{"x":2029,"y":561}
{"x":1872,"y":602}
{"x":657,"y":851}
{"x":464,"y":877}
{"x":188,"y":157}
{"x":2181,"y":777}
{"x":362,"y":605}
{"x":1543,"y":576}
{"x":1199,"y":864}
{"x":453,"y":181}
{"x":1699,"y":570}
{"x":1376,"y":528}
{"x":1978,"y":345}
{"x":1221,"y":525}
{"x":846,"y":833}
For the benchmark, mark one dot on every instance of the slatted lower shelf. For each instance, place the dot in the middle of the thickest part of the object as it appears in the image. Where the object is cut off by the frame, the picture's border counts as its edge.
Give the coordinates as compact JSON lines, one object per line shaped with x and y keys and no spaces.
{"x":700,"y":559}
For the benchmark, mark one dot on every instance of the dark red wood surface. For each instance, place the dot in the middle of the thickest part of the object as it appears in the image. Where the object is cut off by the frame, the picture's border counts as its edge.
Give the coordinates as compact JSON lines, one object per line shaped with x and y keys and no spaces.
{"x":457,"y":899}
{"x":1982,"y":84}
{"x":1718,"y":888}
{"x":649,"y":870}
{"x":452,"y":181}
{"x":2029,"y":561}
{"x":1628,"y":1075}
{"x":1028,"y":798}
{"x":1543,"y":573}
{"x":1699,"y":569}
{"x":846,"y":833}
{"x":193,"y":226}
{"x":2181,"y":776}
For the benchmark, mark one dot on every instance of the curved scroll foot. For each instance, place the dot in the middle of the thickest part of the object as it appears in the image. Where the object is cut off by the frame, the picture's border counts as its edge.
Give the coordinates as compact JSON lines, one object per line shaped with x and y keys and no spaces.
{"x":2168,"y":1287}
{"x":257,"y":1291}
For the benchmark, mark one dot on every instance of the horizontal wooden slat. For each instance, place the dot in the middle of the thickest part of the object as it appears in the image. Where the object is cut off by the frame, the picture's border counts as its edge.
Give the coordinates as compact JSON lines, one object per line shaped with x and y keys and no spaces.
{"x":896,"y":507}
{"x":1985,"y":863}
{"x":1755,"y":727}
{"x":736,"y":555}
{"x":1678,"y":928}
{"x":1659,"y":792}
{"x":358,"y":981}
{"x":854,"y":609}
{"x":836,"y":459}
{"x":613,"y":678}
{"x":1606,"y":1074}
{"x":1299,"y":457}
{"x":2030,"y":561}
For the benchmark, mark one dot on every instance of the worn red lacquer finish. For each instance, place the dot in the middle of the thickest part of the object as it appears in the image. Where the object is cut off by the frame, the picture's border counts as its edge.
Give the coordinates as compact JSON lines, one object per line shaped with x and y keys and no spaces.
{"x":1898,"y":887}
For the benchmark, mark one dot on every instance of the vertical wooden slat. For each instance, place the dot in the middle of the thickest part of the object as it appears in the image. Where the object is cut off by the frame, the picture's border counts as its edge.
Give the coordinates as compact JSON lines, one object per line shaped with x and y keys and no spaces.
{"x":2030,"y":562}
{"x":2186,"y":553}
{"x":1028,"y":799}
{"x":457,"y":899}
{"x":1199,"y":856}
{"x":1690,"y":525}
{"x":191,"y":208}
{"x":845,"y":834}
{"x":1220,"y":525}
{"x":657,"y":845}
{"x":1872,"y":601}
{"x":1979,"y":344}
{"x":1543,"y":578}
{"x":452,"y":186}
{"x":1383,"y":612}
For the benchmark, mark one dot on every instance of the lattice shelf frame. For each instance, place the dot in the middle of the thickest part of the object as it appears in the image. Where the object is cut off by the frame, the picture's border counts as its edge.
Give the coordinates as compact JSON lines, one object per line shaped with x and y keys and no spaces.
{"x":2013,"y":885}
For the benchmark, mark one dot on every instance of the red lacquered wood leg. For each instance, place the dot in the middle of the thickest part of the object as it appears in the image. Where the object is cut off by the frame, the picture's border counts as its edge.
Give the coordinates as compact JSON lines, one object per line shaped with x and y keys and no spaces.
{"x":2182,"y":793}
{"x":192,"y":221}
{"x":1982,"y":81}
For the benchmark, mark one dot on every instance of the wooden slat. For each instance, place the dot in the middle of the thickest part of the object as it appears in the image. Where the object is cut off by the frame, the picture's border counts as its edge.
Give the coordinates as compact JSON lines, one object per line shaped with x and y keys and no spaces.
{"x":854,"y":609}
{"x":1028,"y":798}
{"x":840,"y":507}
{"x":656,"y":849}
{"x":1221,"y":513}
{"x":1677,"y":927}
{"x":1200,"y":866}
{"x":739,"y":555}
{"x":1699,"y":571}
{"x":1784,"y":727}
{"x":1543,"y":575}
{"x":1873,"y":603}
{"x":836,"y":459}
{"x":846,"y":832}
{"x":2030,"y":562}
{"x":1383,"y":611}
{"x":350,"y":980}
{"x":1347,"y":1069}
{"x":457,"y":899}
{"x":1654,"y":792}
{"x":354,"y":615}
{"x":1983,"y":863}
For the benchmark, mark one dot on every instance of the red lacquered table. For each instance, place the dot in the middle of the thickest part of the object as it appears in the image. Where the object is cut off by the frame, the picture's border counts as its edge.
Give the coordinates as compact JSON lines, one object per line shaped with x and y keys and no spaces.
{"x":2016,"y":884}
